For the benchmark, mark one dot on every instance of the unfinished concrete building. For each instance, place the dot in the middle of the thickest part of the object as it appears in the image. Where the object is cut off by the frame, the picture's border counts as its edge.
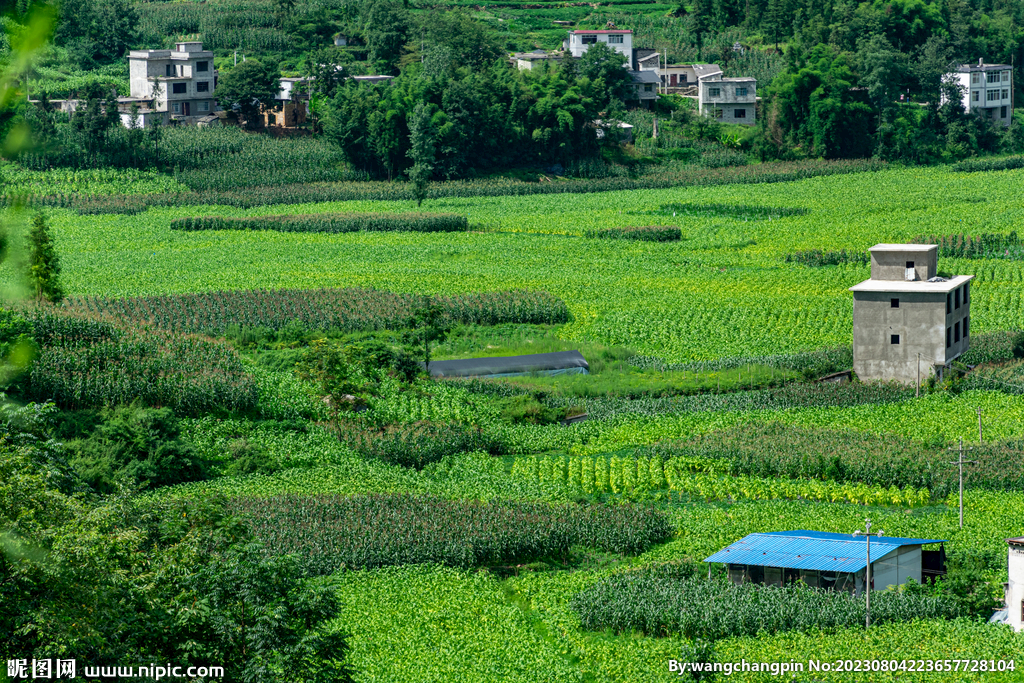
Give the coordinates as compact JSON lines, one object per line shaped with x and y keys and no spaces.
{"x":908,"y":323}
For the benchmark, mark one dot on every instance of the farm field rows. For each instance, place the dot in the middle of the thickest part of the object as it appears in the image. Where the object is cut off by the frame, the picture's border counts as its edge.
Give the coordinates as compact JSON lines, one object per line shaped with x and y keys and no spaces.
{"x":574,"y":503}
{"x":723,"y":291}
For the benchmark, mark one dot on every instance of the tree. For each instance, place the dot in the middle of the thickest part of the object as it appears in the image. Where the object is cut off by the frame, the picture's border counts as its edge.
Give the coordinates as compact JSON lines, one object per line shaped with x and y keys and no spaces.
{"x":607,"y":80}
{"x":387,"y":25}
{"x":422,"y":149}
{"x":97,"y":30}
{"x":249,"y":88}
{"x":326,"y":70}
{"x":428,"y":326}
{"x":44,"y":266}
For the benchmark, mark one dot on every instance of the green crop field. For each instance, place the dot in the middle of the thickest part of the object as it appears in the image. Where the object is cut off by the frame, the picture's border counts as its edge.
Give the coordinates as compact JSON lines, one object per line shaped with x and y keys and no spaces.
{"x":436,"y":512}
{"x":724,"y":290}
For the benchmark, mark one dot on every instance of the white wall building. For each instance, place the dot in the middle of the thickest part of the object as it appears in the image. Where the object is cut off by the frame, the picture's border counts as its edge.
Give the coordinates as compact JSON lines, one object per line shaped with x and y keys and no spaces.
{"x":178,"y":82}
{"x":987,"y":90}
{"x":729,"y":100}
{"x":617,"y":39}
{"x":1013,"y":613}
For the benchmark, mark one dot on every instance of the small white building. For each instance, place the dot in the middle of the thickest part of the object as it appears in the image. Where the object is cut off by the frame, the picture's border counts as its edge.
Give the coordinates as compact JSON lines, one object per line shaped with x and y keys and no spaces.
{"x":526,"y":61}
{"x":729,"y":100}
{"x":178,"y":82}
{"x":1013,"y":612}
{"x":686,"y":75}
{"x":987,"y":90}
{"x":340,"y":40}
{"x":620,"y":40}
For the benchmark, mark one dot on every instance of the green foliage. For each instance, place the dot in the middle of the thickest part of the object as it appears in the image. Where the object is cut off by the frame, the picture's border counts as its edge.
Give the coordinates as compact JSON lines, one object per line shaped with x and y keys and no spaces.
{"x":656,"y":603}
{"x":43,"y":264}
{"x":140,"y":444}
{"x":994,"y":347}
{"x":330,"y":222}
{"x":330,"y":533}
{"x":649,"y":233}
{"x":342,"y":310}
{"x":422,"y":149}
{"x":246,"y":88}
{"x":428,"y":325}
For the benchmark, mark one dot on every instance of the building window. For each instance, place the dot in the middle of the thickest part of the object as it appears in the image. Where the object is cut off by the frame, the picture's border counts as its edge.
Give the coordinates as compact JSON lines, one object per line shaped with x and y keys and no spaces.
{"x":204,"y":106}
{"x":967,"y":288}
{"x":741,"y":92}
{"x":177,"y":108}
{"x":956,"y":332}
{"x":589,"y":39}
{"x":894,"y":339}
{"x":648,"y":88}
{"x":966,"y":325}
{"x":1006,"y":94}
{"x":993,"y":77}
{"x":714,"y":92}
{"x":991,"y":95}
{"x":740,"y":113}
{"x":202,"y":86}
{"x":179,"y":88}
{"x":974,"y":96}
{"x":614,"y":39}
{"x":949,"y":302}
{"x":974,"y":78}
{"x":202,"y":66}
{"x":717,"y":113}
{"x":1002,"y":112}
{"x":949,"y":337}
{"x":1006,"y":76}
{"x":956,"y":298}
{"x":894,"y":303}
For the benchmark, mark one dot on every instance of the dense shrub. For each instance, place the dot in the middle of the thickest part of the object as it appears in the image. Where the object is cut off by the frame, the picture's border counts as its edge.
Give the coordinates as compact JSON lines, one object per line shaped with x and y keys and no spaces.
{"x":646,"y":233}
{"x":343,"y":310}
{"x":656,"y":603}
{"x":330,"y":222}
{"x":139,"y":443}
{"x":330,"y":532}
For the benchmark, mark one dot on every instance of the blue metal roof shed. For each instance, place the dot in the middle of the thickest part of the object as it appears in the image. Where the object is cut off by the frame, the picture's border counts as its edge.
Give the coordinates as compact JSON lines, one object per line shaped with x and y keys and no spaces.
{"x":812,"y":550}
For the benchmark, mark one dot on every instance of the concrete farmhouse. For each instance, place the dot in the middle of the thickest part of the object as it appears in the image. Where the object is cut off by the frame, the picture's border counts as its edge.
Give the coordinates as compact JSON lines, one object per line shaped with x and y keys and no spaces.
{"x":174,"y":84}
{"x":987,"y":90}
{"x":908,"y":323}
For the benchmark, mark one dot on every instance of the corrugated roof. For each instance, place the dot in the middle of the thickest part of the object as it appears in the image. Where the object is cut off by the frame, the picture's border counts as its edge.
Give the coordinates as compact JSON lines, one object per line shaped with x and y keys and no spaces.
{"x":811,"y":550}
{"x":645,"y":76}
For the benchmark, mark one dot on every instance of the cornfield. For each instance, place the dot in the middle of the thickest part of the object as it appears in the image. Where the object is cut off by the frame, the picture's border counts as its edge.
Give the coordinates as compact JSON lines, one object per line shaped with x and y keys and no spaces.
{"x":331,"y":222}
{"x":346,"y":310}
{"x":87,"y":362}
{"x":330,"y":532}
{"x":648,"y":233}
{"x":649,"y":602}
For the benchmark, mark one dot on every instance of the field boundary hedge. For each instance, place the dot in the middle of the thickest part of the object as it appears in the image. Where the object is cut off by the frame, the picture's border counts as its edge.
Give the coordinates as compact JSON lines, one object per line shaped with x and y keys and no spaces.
{"x":330,"y":222}
{"x":644,"y":233}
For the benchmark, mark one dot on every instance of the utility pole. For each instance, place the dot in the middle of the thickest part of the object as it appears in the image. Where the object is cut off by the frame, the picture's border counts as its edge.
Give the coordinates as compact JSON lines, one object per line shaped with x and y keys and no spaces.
{"x":961,"y":462}
{"x":918,"y":393}
{"x":867,"y":572}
